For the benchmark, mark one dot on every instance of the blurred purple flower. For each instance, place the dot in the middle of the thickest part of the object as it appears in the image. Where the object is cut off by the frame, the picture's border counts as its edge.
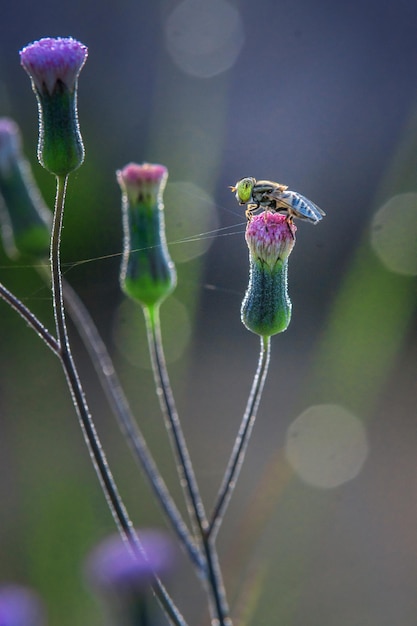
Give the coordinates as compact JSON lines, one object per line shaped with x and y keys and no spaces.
{"x":112,"y":567}
{"x":123,"y":581}
{"x":10,"y":144}
{"x":51,"y":59}
{"x":20,"y":606}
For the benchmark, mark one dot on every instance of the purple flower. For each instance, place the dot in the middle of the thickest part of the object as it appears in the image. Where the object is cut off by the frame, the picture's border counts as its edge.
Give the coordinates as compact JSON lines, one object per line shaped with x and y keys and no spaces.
{"x":270,"y":238}
{"x":20,"y":606}
{"x":54,"y":59}
{"x":147,"y":273}
{"x":53,"y":66}
{"x":142,"y":181}
{"x":112,"y":567}
{"x":266,"y":307}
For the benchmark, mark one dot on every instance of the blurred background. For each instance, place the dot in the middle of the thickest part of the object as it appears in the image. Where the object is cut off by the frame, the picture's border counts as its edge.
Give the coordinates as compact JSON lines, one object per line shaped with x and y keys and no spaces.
{"x":322,"y":97}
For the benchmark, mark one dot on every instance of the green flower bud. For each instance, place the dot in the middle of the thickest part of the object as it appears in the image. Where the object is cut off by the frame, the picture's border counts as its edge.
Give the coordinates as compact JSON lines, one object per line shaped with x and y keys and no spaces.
{"x":54,"y":66}
{"x":25,"y":220}
{"x":147,"y":274}
{"x":266,"y":308}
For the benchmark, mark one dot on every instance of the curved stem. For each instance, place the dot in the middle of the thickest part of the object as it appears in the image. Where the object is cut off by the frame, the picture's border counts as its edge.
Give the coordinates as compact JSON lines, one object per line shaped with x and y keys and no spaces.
{"x":29,"y":318}
{"x":163,"y":388}
{"x":194,"y":502}
{"x":91,"y":438}
{"x":117,"y":399}
{"x":241,"y":443}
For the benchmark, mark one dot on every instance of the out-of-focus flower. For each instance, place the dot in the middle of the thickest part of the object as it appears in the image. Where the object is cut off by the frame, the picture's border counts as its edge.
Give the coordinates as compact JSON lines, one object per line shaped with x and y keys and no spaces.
{"x":266,"y":308}
{"x":20,"y":606}
{"x":123,"y":580}
{"x":53,"y":65}
{"x":147,"y":274}
{"x":25,"y":220}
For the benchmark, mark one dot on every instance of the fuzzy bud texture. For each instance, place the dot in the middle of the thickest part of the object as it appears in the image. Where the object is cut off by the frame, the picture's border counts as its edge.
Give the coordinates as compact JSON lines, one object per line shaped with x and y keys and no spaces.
{"x":143,"y":183}
{"x":270,"y":238}
{"x":50,"y":60}
{"x":53,"y":65}
{"x":147,"y":273}
{"x":25,"y":221}
{"x":266,"y":308}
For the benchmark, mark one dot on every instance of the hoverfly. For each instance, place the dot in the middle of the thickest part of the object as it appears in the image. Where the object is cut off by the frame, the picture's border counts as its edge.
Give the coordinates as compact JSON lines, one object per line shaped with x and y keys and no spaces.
{"x":275,"y":197}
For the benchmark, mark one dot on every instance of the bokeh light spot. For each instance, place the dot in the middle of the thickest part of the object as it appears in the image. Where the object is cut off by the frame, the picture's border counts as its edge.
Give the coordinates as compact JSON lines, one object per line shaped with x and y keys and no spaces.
{"x":204,"y":38}
{"x":129,"y":333}
{"x":394,"y":234}
{"x":189,"y":213}
{"x":326,"y":446}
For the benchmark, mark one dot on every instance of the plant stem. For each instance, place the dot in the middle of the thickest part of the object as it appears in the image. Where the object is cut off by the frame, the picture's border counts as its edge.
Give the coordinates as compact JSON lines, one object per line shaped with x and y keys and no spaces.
{"x":193,"y":499}
{"x":192,"y":496}
{"x":29,"y":318}
{"x":241,"y":443}
{"x":117,"y":399}
{"x":91,"y":438}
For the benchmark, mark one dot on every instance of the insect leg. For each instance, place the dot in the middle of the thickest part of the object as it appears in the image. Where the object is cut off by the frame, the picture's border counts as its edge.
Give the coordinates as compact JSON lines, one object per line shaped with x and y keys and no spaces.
{"x":250,"y":210}
{"x":289,"y":220}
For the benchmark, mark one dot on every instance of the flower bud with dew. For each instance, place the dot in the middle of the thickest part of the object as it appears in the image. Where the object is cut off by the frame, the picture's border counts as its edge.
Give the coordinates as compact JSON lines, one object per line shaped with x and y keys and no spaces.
{"x":266,"y":308}
{"x":148,"y":273}
{"x":24,"y":218}
{"x":53,"y":65}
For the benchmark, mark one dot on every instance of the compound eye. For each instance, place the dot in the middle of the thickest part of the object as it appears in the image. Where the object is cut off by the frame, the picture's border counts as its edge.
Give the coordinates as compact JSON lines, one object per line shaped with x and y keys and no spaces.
{"x":244,"y":190}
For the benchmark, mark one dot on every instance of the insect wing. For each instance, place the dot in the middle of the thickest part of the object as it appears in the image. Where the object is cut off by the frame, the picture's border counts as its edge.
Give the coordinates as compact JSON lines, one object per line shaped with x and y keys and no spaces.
{"x":268,"y":187}
{"x":302,"y":207}
{"x":276,"y":197}
{"x":265,"y":190}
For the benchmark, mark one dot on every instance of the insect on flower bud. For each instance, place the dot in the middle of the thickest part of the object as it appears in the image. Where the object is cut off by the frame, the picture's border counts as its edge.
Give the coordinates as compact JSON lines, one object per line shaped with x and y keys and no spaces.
{"x":266,"y":308}
{"x":54,"y":66}
{"x":25,"y":220}
{"x":147,"y":274}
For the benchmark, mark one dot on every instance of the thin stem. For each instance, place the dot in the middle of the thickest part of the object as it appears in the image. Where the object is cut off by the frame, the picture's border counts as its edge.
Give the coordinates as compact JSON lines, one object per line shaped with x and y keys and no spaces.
{"x":185,"y":469}
{"x":163,"y":388}
{"x":241,"y":443}
{"x":29,"y":318}
{"x":117,"y":399}
{"x":91,"y":438}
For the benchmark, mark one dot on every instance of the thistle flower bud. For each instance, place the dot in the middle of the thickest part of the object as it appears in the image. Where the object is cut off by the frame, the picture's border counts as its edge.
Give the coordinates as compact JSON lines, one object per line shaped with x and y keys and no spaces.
{"x":123,"y":581}
{"x":24,"y":218}
{"x":54,"y":66}
{"x":20,"y":606}
{"x":266,"y":308}
{"x":147,"y":273}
